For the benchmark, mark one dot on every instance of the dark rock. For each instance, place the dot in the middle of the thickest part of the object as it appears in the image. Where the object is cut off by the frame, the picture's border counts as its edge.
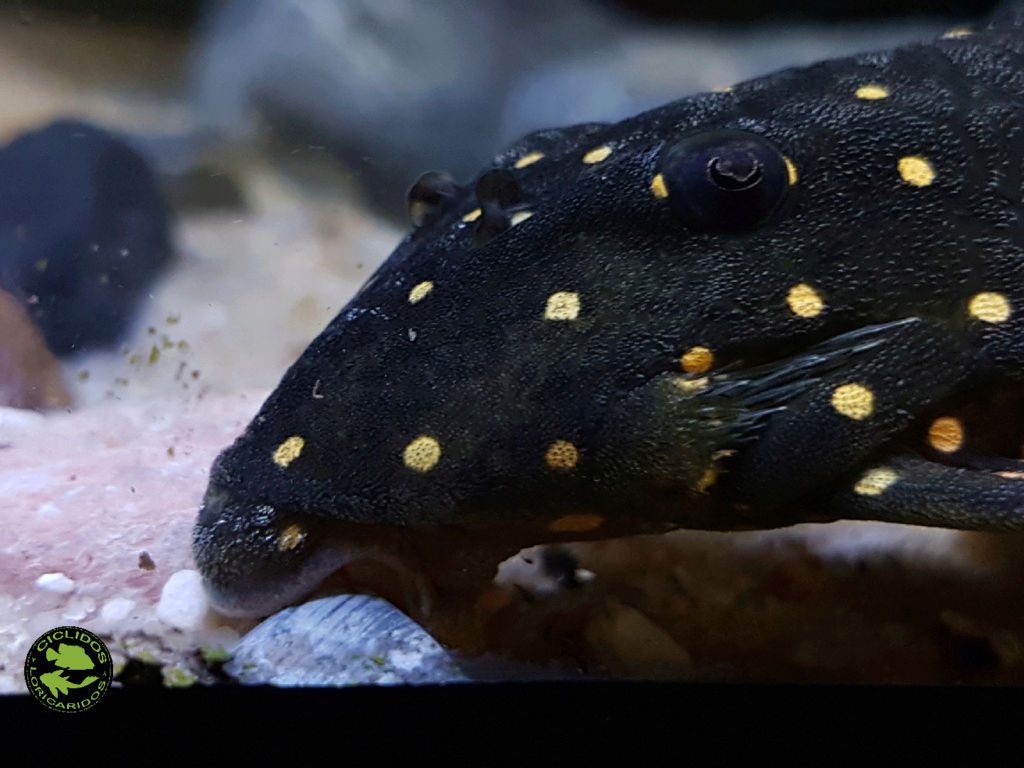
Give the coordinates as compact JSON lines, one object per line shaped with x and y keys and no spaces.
{"x":83,"y":232}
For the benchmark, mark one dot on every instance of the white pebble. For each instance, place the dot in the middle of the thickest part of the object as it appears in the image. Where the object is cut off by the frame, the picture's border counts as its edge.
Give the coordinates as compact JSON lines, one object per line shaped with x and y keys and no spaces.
{"x":48,"y":511}
{"x":78,"y":608}
{"x":116,"y":609}
{"x":56,"y":582}
{"x":182,"y":601}
{"x":20,"y":419}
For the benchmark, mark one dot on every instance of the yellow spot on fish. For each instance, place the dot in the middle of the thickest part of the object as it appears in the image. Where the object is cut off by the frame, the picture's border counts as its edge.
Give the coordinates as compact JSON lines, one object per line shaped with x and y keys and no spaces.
{"x":690,"y":386}
{"x":956,"y":32}
{"x":563,"y":305}
{"x":990,"y":307}
{"x":946,"y":434}
{"x":658,"y":187}
{"x":576,"y":523}
{"x":422,"y":453}
{"x":1011,"y":475}
{"x":529,"y":159}
{"x":854,"y":400}
{"x":722,"y":89}
{"x":472,"y":215}
{"x":519,"y":217}
{"x":697,"y":360}
{"x":597,"y":155}
{"x":562,"y":454}
{"x":875,"y":481}
{"x":793,"y":176}
{"x":872,"y":92}
{"x":420,"y":290}
{"x":290,"y":538}
{"x":288,"y":451}
{"x":804,"y":301}
{"x":706,"y":480}
{"x":915,"y":170}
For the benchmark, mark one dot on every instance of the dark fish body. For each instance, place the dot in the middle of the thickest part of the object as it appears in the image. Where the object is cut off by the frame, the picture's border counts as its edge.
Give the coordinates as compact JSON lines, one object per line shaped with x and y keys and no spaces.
{"x":800,"y":299}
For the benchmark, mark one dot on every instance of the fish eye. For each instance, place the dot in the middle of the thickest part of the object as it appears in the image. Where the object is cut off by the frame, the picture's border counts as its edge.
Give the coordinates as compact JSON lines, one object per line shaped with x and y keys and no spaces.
{"x":724,"y":181}
{"x":430,"y":196}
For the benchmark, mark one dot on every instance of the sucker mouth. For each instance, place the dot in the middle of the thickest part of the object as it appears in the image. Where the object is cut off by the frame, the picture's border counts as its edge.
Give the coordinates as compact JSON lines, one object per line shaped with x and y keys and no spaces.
{"x":252,"y":561}
{"x":256,"y":559}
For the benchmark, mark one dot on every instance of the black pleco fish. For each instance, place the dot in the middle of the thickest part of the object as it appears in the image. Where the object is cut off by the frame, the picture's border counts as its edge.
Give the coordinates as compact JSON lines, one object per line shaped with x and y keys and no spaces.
{"x":801,"y":299}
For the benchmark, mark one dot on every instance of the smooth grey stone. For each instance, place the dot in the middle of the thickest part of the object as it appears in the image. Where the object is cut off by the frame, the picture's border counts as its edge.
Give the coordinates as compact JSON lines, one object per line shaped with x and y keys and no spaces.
{"x":339,"y":641}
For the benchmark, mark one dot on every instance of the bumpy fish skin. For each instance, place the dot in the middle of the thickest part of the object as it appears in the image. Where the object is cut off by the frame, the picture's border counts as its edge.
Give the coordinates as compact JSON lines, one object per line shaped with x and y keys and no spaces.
{"x":800,"y":299}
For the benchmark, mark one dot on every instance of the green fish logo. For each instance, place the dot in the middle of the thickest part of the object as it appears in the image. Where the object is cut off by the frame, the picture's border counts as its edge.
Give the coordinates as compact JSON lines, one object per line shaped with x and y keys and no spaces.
{"x":55,"y":665}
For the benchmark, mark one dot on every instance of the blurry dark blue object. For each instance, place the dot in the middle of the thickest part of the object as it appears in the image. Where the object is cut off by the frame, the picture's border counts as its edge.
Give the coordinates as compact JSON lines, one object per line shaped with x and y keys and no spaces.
{"x":387,"y":89}
{"x":83,"y":232}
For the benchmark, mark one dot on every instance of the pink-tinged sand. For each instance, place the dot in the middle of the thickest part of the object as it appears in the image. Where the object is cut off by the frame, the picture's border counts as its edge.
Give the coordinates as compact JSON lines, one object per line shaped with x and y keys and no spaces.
{"x":96,"y":511}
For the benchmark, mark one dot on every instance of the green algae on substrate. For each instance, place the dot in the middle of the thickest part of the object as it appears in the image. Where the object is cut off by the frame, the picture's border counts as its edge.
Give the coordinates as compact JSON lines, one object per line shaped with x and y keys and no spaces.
{"x":214,"y":654}
{"x":176,"y":677}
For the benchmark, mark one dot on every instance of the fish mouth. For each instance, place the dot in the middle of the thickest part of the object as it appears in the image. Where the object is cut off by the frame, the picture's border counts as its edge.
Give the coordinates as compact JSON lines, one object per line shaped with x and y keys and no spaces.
{"x":256,"y":559}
